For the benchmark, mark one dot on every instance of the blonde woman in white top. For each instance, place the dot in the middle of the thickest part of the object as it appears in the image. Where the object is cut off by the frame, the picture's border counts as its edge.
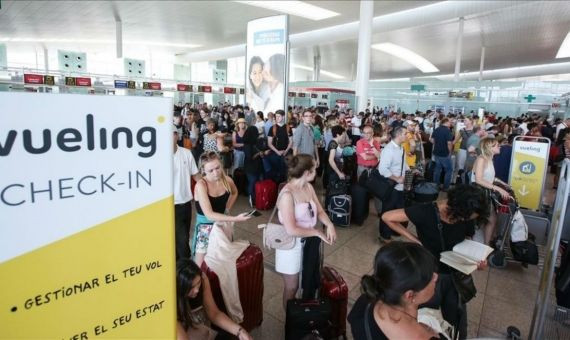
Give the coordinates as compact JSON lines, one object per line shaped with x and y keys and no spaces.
{"x":484,"y":175}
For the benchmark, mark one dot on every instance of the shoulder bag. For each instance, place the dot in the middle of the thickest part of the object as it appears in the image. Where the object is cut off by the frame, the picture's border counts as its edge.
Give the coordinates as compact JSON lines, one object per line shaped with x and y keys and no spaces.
{"x":274,"y":235}
{"x":463,"y":283}
{"x":381,"y":186}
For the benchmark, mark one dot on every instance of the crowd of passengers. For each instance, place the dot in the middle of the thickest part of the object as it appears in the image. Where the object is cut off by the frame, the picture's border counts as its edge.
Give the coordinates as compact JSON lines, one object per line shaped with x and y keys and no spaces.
{"x":469,"y":157}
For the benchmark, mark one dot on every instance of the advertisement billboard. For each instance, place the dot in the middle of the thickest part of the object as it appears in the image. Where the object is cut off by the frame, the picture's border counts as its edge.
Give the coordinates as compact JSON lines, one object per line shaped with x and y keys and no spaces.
{"x":267,"y":63}
{"x":87,"y":229}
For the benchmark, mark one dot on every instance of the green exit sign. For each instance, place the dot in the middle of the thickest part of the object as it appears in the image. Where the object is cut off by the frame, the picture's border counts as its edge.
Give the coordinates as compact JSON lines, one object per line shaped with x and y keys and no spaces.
{"x":418,"y":88}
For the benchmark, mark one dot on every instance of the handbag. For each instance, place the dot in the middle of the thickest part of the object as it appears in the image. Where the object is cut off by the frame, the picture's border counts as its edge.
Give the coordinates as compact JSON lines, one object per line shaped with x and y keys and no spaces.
{"x":274,"y":235}
{"x":348,"y":151}
{"x":463,"y":283}
{"x":381,"y":186}
{"x":338,"y":187}
{"x":519,"y":230}
{"x":525,"y":252}
{"x":408,"y":180}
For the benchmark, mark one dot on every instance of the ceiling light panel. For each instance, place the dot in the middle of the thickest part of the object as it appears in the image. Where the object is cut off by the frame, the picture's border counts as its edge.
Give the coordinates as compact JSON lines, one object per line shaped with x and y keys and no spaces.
{"x":564,"y":51}
{"x":323,"y":72}
{"x":297,"y":8}
{"x":409,"y":56}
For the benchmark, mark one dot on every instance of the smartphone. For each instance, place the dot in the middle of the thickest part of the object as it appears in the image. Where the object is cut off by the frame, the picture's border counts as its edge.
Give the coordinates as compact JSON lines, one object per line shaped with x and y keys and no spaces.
{"x":254,"y":213}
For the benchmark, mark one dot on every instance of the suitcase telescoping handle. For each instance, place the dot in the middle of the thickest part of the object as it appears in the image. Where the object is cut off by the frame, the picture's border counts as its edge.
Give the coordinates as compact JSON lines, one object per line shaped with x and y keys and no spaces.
{"x":308,"y":303}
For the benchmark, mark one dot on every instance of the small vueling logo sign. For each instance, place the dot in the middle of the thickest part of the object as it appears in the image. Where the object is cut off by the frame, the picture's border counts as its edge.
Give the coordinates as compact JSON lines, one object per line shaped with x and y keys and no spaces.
{"x":527,"y":168}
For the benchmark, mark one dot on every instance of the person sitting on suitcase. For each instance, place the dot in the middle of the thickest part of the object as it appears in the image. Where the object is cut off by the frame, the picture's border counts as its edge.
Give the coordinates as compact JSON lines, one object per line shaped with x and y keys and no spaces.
{"x":334,"y":156}
{"x":404,"y":278}
{"x":464,"y":205}
{"x":196,"y":308}
{"x":216,"y":194}
{"x":299,"y":208}
{"x":334,"y":162}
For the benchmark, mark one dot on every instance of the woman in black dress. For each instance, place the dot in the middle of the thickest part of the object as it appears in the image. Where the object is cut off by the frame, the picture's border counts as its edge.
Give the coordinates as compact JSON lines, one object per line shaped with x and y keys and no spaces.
{"x":464,"y":206}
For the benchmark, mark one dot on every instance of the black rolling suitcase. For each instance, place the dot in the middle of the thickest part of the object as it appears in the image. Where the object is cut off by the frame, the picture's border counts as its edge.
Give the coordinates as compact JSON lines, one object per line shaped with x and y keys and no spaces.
{"x":360,"y":204}
{"x":308,"y":317}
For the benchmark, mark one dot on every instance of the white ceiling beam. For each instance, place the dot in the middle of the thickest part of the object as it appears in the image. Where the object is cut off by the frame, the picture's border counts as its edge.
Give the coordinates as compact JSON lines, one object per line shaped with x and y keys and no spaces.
{"x":511,"y":72}
{"x":419,"y":16}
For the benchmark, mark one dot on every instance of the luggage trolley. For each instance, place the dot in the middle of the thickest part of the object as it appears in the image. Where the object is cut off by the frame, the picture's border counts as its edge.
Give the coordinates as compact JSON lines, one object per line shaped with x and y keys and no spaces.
{"x":506,"y":210}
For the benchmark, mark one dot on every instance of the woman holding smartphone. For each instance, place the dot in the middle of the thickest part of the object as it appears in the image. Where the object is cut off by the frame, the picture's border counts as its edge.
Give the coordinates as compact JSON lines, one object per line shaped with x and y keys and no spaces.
{"x":216,"y":194}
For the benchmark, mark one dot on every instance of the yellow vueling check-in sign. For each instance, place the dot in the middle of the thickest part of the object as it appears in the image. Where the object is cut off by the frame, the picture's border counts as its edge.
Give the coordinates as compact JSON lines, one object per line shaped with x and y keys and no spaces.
{"x":86,"y":218}
{"x":528,"y":170}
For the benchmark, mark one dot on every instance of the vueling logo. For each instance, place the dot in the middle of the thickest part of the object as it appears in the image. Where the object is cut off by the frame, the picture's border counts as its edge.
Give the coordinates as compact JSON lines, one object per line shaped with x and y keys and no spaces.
{"x":71,"y":140}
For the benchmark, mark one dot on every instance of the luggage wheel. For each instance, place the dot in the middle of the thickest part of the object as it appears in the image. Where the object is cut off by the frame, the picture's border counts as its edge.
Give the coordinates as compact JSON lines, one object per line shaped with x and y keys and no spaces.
{"x":513,"y":333}
{"x":497,"y":259}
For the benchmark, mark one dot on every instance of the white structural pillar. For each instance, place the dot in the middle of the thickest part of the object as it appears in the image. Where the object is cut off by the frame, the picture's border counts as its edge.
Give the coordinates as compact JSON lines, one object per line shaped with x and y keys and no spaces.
{"x":119,"y":38}
{"x":316,"y":68}
{"x":458,"y":50}
{"x":46,"y":60}
{"x":363,"y":63}
{"x":482,"y":63}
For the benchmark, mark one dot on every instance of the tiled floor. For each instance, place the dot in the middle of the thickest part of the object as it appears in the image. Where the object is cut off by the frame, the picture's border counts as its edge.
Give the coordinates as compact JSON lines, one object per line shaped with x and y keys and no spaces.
{"x":505,"y":296}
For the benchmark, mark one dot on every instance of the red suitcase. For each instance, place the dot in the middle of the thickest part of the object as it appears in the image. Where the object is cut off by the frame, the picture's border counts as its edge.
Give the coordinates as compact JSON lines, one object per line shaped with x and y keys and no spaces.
{"x":250,"y":282}
{"x":265,"y":194}
{"x":334,"y":288}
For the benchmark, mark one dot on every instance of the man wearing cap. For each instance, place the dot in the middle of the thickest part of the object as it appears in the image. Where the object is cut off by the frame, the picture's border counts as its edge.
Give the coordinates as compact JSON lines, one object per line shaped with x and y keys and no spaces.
{"x":184,"y":168}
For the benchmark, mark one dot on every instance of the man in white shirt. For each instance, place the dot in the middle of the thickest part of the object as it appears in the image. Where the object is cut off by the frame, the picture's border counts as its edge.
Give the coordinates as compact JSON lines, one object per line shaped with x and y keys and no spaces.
{"x":393,"y":166}
{"x":356,"y":123}
{"x":184,"y":168}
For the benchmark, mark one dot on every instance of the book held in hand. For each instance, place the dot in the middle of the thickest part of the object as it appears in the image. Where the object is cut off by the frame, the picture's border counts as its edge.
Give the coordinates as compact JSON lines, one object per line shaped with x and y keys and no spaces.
{"x":466,"y":255}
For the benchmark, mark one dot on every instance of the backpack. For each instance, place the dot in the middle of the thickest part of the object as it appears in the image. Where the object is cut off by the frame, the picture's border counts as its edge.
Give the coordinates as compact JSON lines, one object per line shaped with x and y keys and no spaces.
{"x":274,"y":129}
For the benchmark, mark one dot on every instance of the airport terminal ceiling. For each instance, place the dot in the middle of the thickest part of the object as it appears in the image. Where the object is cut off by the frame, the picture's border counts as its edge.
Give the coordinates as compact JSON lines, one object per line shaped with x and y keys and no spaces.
{"x":514,"y":33}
